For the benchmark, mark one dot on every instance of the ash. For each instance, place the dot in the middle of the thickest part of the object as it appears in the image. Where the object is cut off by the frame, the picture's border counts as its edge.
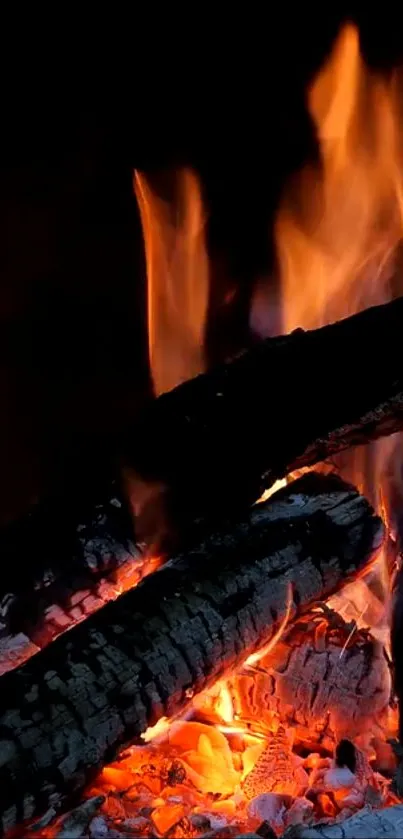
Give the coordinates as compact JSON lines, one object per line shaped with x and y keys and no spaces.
{"x":264,"y":753}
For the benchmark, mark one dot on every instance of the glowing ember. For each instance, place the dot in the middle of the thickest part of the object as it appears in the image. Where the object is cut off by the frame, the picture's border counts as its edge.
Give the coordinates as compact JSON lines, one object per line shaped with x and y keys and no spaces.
{"x":255,"y":657}
{"x":240,"y":758}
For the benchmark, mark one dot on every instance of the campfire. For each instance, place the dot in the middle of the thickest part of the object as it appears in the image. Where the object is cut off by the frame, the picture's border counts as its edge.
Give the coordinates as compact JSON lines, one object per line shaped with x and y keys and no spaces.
{"x":212,"y":654}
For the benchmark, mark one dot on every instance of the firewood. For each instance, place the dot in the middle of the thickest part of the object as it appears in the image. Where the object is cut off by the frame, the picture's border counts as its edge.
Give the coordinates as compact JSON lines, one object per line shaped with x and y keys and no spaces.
{"x":396,"y":644}
{"x":325,"y":678}
{"x":58,"y":567}
{"x":207,"y":449}
{"x":217,"y":441}
{"x":71,"y":707}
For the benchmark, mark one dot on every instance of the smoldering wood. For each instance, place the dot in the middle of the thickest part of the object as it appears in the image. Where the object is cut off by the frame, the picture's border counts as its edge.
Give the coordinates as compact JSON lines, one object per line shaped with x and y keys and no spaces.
{"x":217,"y":441}
{"x":207,"y":449}
{"x":323,"y":678}
{"x":60,"y":564}
{"x":73,"y":824}
{"x":276,"y":770}
{"x":74,"y":705}
{"x":396,"y":644}
{"x":366,"y":824}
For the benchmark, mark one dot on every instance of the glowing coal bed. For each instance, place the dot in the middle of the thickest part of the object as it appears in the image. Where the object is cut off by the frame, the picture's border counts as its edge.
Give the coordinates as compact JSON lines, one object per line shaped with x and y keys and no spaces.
{"x":299,"y":736}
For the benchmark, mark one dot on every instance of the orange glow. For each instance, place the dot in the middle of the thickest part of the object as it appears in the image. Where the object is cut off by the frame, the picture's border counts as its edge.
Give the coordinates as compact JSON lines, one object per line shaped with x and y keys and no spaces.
{"x":155,"y":731}
{"x":223,"y":705}
{"x":255,"y":657}
{"x":282,"y":482}
{"x":338,"y":226}
{"x":177,"y":278}
{"x":188,"y":768}
{"x":166,"y":816}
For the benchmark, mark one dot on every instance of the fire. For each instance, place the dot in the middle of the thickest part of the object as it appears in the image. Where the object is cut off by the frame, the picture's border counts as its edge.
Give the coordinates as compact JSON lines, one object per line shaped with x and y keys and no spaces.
{"x":337,"y":233}
{"x":177,"y":278}
{"x":242,"y":746}
{"x":339,"y":224}
{"x":255,"y":657}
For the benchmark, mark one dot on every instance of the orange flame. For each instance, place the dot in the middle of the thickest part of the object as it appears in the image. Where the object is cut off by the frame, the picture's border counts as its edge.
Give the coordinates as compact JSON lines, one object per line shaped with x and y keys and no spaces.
{"x":339,"y":226}
{"x":177,"y":278}
{"x":259,"y":654}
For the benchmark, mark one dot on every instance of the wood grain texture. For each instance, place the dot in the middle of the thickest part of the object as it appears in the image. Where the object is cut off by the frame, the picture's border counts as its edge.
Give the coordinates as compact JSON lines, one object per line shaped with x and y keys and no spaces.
{"x":59,"y":566}
{"x":70,"y":708}
{"x":322,"y":678}
{"x":219,"y":440}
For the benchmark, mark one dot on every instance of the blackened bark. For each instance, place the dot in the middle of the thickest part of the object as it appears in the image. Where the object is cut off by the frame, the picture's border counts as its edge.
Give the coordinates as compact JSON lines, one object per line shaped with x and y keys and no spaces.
{"x":70,"y":708}
{"x":61,"y":563}
{"x":219,"y":440}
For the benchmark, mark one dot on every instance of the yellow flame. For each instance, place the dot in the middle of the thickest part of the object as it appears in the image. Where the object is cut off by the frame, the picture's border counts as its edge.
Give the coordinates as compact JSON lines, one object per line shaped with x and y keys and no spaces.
{"x":338,"y":230}
{"x":282,"y":482}
{"x":177,"y":278}
{"x":160,"y":729}
{"x":223,"y":704}
{"x":339,"y":225}
{"x":255,"y":657}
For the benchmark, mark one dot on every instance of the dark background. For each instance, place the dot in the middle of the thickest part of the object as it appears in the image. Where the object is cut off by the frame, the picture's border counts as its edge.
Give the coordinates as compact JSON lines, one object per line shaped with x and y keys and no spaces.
{"x":73,"y":368}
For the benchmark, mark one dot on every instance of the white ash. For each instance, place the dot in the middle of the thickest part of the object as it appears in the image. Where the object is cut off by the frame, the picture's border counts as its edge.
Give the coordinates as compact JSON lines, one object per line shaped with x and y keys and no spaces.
{"x":300,"y":812}
{"x":44,"y":820}
{"x":338,"y":777}
{"x":14,"y":649}
{"x":366,"y":824}
{"x":200,"y":821}
{"x":98,"y":827}
{"x":217,"y":821}
{"x":74,"y":824}
{"x":269,"y":807}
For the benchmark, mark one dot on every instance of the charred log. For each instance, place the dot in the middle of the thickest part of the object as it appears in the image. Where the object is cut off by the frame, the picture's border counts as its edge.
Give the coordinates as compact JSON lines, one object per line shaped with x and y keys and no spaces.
{"x":60,"y":564}
{"x":325,"y":678}
{"x":221,"y":439}
{"x":71,"y":707}
{"x":206,"y":449}
{"x":396,"y":644}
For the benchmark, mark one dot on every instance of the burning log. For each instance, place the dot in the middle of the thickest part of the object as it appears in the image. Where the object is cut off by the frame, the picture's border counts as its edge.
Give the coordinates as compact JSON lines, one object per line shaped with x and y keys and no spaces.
{"x":58,"y":568}
{"x":71,"y":707}
{"x":325,"y":678}
{"x":220,"y":439}
{"x":187,"y":449}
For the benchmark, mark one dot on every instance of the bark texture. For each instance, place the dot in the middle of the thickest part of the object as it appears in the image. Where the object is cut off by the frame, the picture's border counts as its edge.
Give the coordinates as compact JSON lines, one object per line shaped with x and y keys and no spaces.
{"x":69,"y":709}
{"x":59,"y":566}
{"x":322,"y":678}
{"x":219,"y":440}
